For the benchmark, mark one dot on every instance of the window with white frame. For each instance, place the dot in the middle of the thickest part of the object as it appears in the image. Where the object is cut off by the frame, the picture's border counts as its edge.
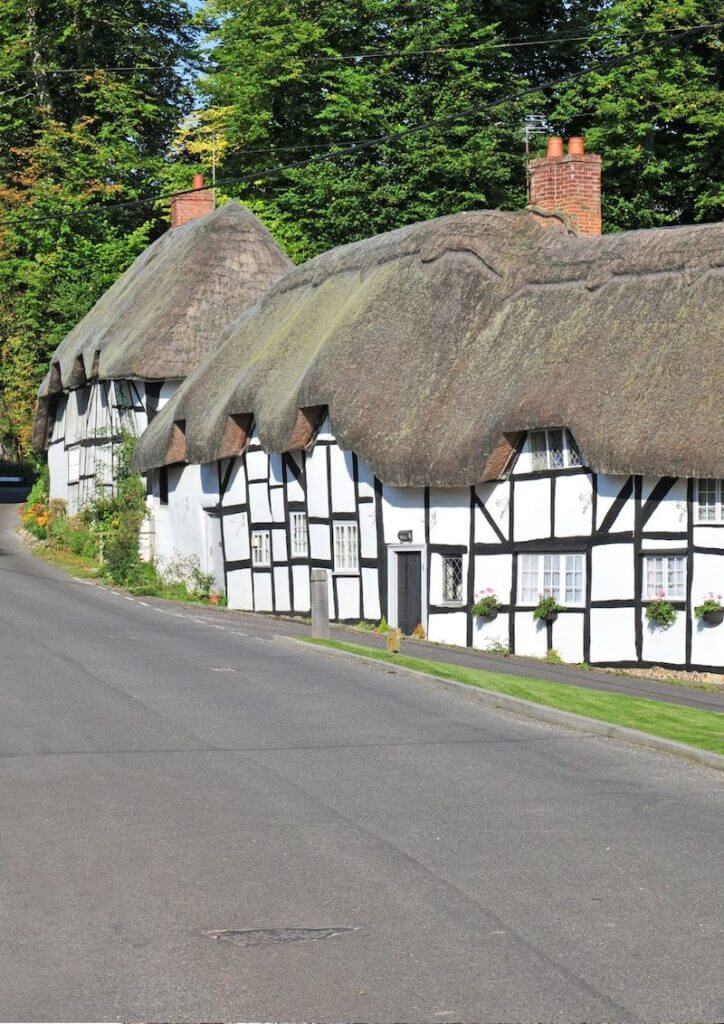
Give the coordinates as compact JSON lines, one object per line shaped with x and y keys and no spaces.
{"x":560,"y":576}
{"x":665,"y":576}
{"x":260,"y":548}
{"x":452,"y":578}
{"x":298,"y":531}
{"x":710,"y":501}
{"x":345,"y":547}
{"x":553,"y":449}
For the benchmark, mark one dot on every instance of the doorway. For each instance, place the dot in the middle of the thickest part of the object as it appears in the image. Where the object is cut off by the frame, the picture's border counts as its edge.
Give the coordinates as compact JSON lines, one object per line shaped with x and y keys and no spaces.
{"x":409,"y":590}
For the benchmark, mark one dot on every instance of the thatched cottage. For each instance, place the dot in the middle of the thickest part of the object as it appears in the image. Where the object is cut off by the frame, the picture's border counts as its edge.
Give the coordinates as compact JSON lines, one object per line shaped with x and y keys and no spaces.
{"x":124,"y":360}
{"x":502,"y":401}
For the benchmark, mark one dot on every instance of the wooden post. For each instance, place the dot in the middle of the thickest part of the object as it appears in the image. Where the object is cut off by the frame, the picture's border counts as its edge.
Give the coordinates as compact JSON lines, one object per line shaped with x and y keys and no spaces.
{"x":394,"y":639}
{"x":320,"y":604}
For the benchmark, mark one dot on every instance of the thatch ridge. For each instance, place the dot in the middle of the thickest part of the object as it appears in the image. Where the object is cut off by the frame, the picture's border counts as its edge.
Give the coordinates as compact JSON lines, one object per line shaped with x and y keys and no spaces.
{"x":430,"y":343}
{"x":171,"y":306}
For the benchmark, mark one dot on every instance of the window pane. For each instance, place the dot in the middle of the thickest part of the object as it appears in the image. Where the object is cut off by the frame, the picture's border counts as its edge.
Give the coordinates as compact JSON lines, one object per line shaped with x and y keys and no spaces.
{"x":574,"y":454}
{"x":529,"y":579}
{"x":665,"y":576}
{"x":345,"y":547}
{"x":539,"y":449}
{"x":556,"y":458}
{"x":675,"y":577}
{"x":574,"y":579}
{"x":452,"y":570}
{"x":551,"y":576}
{"x":260,"y":548}
{"x":299,"y":534}
{"x":707,"y":501}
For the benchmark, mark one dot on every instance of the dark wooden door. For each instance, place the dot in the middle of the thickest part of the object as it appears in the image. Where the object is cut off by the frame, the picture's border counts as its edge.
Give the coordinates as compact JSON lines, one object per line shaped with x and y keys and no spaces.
{"x":409,"y":590}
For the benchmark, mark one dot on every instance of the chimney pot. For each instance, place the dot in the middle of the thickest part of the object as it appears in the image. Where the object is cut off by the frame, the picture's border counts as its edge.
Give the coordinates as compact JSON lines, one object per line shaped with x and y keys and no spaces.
{"x":569,"y":184}
{"x":198,"y":181}
{"x":555,"y":147}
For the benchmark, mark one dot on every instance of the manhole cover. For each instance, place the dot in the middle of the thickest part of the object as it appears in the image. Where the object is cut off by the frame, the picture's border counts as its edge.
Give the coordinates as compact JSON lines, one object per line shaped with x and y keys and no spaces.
{"x":264,"y":936}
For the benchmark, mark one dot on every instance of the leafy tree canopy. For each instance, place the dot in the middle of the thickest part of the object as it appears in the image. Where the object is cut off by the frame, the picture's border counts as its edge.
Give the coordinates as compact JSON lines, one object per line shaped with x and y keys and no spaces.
{"x":281,"y":86}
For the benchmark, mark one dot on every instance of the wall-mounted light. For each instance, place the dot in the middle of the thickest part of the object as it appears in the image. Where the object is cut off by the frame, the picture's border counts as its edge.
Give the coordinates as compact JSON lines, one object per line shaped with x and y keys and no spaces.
{"x":405,"y":536}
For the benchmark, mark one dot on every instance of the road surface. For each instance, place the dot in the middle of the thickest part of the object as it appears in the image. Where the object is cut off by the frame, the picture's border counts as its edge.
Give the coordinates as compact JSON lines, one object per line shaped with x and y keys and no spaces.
{"x":165,"y":777}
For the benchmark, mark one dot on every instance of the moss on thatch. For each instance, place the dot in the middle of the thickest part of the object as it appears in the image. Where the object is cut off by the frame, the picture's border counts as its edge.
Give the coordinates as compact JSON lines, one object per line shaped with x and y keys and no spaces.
{"x":431,"y":342}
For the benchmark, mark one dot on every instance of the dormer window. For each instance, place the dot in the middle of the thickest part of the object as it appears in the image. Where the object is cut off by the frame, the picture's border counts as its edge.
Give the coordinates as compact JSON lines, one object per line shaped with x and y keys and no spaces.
{"x":553,"y":449}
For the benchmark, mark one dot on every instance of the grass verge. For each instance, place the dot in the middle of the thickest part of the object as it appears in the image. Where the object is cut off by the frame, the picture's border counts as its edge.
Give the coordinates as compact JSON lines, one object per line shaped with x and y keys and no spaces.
{"x":702,"y":729}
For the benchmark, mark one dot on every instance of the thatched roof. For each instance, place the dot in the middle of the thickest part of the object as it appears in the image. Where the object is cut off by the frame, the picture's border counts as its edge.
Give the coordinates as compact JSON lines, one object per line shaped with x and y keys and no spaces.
{"x":171,"y":306}
{"x":430,"y":343}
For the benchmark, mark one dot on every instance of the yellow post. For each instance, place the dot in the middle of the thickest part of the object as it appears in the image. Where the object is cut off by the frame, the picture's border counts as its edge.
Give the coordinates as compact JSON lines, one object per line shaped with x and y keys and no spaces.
{"x":394,"y":638}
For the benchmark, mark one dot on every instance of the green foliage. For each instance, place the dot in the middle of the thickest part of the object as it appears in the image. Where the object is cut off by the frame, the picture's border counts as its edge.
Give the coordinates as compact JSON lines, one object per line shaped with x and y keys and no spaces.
{"x":661,"y":613}
{"x":40,"y":491}
{"x":658,"y":120}
{"x":497,"y":647}
{"x":710,"y":604}
{"x":383,"y":628}
{"x":546,"y":606}
{"x":67,"y":141}
{"x":115,"y":518}
{"x":486,"y":603}
{"x":553,"y":657}
{"x":287,"y":96}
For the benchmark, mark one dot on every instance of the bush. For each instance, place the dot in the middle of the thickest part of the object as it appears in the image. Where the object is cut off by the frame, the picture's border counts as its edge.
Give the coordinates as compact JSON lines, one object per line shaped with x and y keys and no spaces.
{"x":709,"y":604}
{"x":486,"y":603}
{"x":71,"y":533}
{"x":661,"y":612}
{"x":546,"y":606}
{"x":35,"y":513}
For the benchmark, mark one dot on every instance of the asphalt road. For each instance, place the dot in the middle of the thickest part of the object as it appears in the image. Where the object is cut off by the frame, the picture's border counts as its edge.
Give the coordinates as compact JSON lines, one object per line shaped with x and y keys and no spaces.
{"x":165,"y":776}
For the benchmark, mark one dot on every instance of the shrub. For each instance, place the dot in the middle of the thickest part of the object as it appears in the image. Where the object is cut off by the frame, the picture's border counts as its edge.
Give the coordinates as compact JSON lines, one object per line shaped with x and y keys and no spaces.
{"x":497,"y":647}
{"x":187,"y":573}
{"x":486,"y":602}
{"x":545,"y":607}
{"x":553,"y":657}
{"x":661,"y":612}
{"x":709,"y":604}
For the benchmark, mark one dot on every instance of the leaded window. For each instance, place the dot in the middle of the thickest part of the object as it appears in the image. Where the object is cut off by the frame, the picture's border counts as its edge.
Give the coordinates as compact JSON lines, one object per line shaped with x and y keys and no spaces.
{"x":346,"y":558}
{"x":665,"y":576}
{"x":452,"y":578}
{"x":553,"y":449}
{"x":298,"y":531}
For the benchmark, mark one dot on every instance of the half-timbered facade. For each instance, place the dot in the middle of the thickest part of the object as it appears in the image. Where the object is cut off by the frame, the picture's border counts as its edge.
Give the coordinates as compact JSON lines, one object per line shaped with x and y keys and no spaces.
{"x":602,"y":545}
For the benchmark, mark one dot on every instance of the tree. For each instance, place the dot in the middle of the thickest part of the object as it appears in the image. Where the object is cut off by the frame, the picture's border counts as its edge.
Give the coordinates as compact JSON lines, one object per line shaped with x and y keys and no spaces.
{"x":69,"y":139}
{"x":658,"y":119}
{"x":286,"y":90}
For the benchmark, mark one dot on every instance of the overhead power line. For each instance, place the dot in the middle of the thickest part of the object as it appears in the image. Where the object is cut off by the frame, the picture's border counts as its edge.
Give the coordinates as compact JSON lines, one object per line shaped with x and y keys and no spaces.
{"x":360,"y":145}
{"x":561,"y":38}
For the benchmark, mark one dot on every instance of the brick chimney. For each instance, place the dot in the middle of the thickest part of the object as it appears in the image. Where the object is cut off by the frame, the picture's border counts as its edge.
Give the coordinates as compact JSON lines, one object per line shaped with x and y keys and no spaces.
{"x":568,"y":183}
{"x":191,"y":205}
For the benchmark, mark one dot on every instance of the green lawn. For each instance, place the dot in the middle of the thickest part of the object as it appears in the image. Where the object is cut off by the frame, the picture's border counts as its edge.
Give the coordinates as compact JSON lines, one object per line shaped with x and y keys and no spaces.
{"x":703,"y":729}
